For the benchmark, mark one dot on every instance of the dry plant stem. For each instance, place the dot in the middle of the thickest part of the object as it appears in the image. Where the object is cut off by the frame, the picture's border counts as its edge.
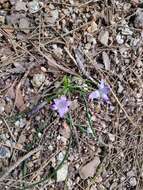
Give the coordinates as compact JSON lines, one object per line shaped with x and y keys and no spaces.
{"x":18,"y":162}
{"x":10,"y":60}
{"x":40,"y":30}
{"x":116,"y":98}
{"x":77,"y":138}
{"x":43,"y":165}
{"x":70,"y":32}
{"x":8,"y":37}
{"x":79,"y":66}
{"x":121,"y":106}
{"x":9,"y":130}
{"x":25,"y":50}
{"x":61,"y":67}
{"x":12,"y":147}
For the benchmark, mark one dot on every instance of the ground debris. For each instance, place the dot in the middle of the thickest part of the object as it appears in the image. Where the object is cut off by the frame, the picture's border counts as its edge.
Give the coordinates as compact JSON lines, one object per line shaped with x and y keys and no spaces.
{"x":71,"y":49}
{"x":104,"y":37}
{"x":19,"y":6}
{"x":24,"y":25}
{"x":106,"y":60}
{"x":89,"y":169}
{"x":33,"y":6}
{"x":4,"y":152}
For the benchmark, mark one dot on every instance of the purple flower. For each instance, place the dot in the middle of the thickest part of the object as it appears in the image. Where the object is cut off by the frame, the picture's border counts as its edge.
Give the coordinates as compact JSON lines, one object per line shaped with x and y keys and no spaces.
{"x":101,"y":93}
{"x":61,"y":105}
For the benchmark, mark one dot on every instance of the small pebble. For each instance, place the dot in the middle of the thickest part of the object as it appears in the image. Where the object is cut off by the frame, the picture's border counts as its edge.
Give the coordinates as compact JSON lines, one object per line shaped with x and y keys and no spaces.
{"x":120,"y":88}
{"x":24,"y":25}
{"x":33,"y":6}
{"x":39,"y":135}
{"x":119,"y":39}
{"x":111,"y":137}
{"x":1,"y":109}
{"x":89,"y":130}
{"x":133,"y":181}
{"x":4,"y":152}
{"x":38,"y":79}
{"x":50,"y":147}
{"x":126,"y":31}
{"x":139,"y":19}
{"x":104,"y":37}
{"x":20,"y":6}
{"x":2,"y":19}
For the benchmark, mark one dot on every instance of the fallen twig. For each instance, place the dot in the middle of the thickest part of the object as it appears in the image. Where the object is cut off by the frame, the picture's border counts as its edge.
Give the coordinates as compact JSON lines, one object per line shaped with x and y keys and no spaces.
{"x":18,"y":162}
{"x":13,"y":137}
{"x":53,"y":63}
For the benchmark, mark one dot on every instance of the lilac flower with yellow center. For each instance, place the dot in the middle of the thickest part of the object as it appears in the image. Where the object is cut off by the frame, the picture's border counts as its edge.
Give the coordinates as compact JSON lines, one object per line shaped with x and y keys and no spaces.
{"x":61,"y":105}
{"x":101,"y":93}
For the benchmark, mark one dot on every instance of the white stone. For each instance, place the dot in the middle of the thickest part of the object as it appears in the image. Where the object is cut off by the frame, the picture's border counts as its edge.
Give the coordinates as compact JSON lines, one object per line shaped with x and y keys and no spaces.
{"x":120,"y":88}
{"x":133,"y":181}
{"x":1,"y":121}
{"x":4,"y":152}
{"x":38,"y":79}
{"x":20,"y":6}
{"x":62,"y":172}
{"x":119,"y":39}
{"x":111,"y":137}
{"x":1,"y":109}
{"x":33,"y":6}
{"x":104,"y":37}
{"x":89,"y":130}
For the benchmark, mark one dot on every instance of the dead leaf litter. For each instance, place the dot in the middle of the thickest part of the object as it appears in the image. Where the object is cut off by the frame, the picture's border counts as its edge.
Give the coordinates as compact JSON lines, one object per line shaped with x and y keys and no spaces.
{"x":71,"y":94}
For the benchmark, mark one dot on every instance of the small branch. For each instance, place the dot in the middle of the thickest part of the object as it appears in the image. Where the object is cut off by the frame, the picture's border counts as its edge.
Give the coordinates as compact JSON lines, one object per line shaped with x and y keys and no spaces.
{"x":79,"y":65}
{"x":18,"y":162}
{"x":13,"y":137}
{"x":12,"y":147}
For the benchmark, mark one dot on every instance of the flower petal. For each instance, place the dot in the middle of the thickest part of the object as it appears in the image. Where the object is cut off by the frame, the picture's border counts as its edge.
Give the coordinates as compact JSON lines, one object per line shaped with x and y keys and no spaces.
{"x":94,"y":95}
{"x":103,"y":87}
{"x":56,"y":101}
{"x":69,"y":103}
{"x":63,"y":98}
{"x":53,"y":107}
{"x":63,"y":111}
{"x":106,"y":90}
{"x":102,"y":84}
{"x":61,"y":105}
{"x":105,"y":97}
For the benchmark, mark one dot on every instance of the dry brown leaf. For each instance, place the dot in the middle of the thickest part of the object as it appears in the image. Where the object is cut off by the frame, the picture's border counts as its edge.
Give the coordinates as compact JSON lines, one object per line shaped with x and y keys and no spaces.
{"x":89,"y":169}
{"x":11,"y":91}
{"x":52,"y":62}
{"x":19,"y":99}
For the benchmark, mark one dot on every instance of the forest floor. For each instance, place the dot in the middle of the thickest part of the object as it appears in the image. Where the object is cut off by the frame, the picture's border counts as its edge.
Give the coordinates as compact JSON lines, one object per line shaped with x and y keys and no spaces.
{"x":71,"y":95}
